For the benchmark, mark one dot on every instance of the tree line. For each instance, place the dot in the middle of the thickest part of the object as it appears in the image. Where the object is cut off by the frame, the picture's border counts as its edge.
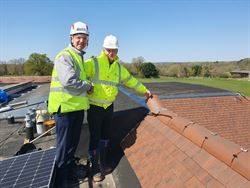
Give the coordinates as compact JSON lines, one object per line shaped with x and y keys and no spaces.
{"x":40,"y":65}
{"x":219,"y":69}
{"x":35,"y":65}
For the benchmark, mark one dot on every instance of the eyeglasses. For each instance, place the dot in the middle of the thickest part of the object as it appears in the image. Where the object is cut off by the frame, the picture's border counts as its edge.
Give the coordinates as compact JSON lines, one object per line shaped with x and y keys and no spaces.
{"x":80,"y":37}
{"x":111,"y":51}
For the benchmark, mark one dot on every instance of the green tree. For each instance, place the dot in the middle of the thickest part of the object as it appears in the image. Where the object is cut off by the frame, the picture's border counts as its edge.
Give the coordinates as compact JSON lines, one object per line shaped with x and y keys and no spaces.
{"x":130,"y":68}
{"x":137,"y":65}
{"x":38,"y":64}
{"x":149,"y":70}
{"x":206,"y":71}
{"x":11,"y":69}
{"x":173,"y":70}
{"x":196,"y":70}
{"x":16,"y":67}
{"x":3,"y":69}
{"x":186,"y":71}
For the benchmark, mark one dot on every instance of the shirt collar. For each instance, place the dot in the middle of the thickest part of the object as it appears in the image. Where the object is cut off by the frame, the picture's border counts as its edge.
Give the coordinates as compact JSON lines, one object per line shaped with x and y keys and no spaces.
{"x":76,"y":50}
{"x":103,"y":55}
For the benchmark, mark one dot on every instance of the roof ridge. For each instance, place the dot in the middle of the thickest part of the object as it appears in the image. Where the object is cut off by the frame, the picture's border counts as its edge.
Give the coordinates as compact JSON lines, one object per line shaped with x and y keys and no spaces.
{"x":226,"y":151}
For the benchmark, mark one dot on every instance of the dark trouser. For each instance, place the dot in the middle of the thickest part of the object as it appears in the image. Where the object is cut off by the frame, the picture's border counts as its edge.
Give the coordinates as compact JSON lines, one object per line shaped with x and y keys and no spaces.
{"x":99,"y":120}
{"x":68,"y":130}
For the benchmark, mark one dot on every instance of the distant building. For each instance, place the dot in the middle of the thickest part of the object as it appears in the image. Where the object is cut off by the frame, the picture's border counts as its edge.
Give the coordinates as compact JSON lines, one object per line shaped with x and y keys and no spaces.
{"x":242,"y":73}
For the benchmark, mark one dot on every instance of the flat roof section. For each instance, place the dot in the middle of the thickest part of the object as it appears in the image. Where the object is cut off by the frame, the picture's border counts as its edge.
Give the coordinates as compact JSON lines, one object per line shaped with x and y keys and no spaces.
{"x":33,"y":96}
{"x":177,"y":88}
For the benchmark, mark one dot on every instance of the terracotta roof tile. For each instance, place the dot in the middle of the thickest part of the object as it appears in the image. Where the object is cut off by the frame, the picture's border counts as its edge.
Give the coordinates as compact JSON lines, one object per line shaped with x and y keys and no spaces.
{"x":196,"y":170}
{"x":241,"y":163}
{"x":228,"y":115}
{"x":213,"y":183}
{"x":194,"y":182}
{"x":190,"y":149}
{"x":179,"y":155}
{"x":170,"y":162}
{"x":196,"y":134}
{"x":168,"y":156}
{"x":221,"y":148}
{"x":237,"y":181}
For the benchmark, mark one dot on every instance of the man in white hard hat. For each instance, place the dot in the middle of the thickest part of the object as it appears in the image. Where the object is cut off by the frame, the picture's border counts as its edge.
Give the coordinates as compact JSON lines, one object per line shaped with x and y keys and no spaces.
{"x":105,"y":72}
{"x":68,"y":100}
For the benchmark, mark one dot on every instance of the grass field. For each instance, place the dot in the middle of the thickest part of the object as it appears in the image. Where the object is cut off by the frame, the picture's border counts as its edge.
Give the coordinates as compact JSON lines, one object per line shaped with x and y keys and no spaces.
{"x":241,"y":86}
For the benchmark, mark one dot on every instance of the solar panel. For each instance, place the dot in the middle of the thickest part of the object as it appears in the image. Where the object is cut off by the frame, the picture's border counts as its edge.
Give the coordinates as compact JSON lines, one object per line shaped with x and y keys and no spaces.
{"x":29,"y":170}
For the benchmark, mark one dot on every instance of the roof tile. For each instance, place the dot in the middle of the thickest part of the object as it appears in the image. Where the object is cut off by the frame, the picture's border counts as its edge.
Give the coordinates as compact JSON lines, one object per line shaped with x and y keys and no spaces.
{"x":190,"y":149}
{"x":171,"y":158}
{"x":242,"y":164}
{"x":221,"y":148}
{"x":214,"y":183}
{"x":196,"y":134}
{"x":227,"y":115}
{"x":194,"y":183}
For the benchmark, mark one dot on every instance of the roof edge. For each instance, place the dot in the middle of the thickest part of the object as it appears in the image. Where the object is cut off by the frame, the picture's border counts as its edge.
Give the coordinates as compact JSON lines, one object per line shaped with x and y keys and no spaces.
{"x":18,"y":79}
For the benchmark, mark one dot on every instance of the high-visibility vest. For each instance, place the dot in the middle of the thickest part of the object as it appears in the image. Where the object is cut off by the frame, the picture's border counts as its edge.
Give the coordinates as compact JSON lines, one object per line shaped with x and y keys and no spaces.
{"x":106,"y":77}
{"x":69,"y":99}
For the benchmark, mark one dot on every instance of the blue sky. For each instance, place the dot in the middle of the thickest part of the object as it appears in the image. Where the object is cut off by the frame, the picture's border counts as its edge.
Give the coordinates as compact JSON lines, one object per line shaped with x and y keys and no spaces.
{"x":158,"y":30}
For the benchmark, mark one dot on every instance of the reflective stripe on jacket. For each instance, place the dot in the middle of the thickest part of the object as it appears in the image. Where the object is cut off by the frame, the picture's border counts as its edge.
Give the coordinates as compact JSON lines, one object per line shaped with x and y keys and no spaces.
{"x":106,"y":77}
{"x":70,"y":93}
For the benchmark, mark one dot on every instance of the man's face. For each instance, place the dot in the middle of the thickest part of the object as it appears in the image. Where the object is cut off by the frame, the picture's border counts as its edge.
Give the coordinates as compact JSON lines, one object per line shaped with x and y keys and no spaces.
{"x":79,"y":41}
{"x":111,"y":53}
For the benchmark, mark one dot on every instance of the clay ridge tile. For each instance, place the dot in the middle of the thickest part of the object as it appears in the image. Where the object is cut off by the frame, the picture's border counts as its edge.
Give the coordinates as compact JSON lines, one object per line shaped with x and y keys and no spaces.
{"x":221,"y":148}
{"x":241,"y":164}
{"x":226,"y":151}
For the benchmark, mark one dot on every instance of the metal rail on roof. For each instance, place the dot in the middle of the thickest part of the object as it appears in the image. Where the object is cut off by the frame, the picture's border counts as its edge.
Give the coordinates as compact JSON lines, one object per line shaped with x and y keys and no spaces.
{"x":139,"y":100}
{"x":196,"y":95}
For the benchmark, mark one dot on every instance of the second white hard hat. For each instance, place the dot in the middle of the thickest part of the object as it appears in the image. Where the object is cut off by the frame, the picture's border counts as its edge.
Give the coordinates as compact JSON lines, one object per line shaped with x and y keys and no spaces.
{"x":110,"y":42}
{"x":79,"y":27}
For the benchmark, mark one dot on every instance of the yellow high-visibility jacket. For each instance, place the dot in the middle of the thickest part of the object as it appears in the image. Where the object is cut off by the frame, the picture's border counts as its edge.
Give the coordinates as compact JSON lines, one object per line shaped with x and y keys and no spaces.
{"x":106,"y":77}
{"x":68,"y":90}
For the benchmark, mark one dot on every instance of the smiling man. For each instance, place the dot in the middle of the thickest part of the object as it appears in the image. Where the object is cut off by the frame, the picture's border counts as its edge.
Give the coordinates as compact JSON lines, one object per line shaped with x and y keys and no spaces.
{"x":106,"y":73}
{"x":67,"y":101}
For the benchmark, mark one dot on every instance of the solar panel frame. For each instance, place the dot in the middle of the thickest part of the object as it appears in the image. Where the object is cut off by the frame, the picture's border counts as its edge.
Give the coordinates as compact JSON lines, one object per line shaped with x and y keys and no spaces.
{"x":28,"y":170}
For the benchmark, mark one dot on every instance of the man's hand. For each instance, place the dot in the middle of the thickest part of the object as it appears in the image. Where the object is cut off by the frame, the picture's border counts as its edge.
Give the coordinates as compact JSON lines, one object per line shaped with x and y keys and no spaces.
{"x":91,"y":89}
{"x":148,"y":94}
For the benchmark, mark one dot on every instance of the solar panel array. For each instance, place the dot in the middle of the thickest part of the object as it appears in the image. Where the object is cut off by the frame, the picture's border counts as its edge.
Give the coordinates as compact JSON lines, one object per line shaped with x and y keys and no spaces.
{"x":29,"y":170}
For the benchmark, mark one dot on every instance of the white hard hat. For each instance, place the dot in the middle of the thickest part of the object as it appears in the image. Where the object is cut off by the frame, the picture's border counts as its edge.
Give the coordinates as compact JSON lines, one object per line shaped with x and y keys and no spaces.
{"x":79,"y":27}
{"x":110,"y":42}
